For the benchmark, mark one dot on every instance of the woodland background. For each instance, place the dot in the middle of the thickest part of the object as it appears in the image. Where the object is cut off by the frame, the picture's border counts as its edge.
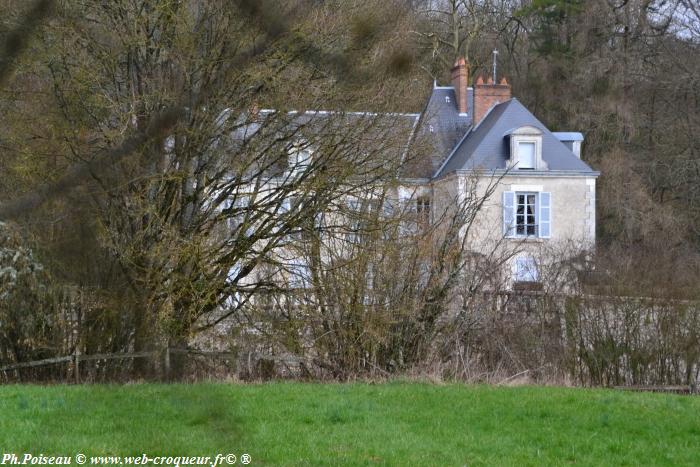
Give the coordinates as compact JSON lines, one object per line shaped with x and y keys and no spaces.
{"x":111,"y":176}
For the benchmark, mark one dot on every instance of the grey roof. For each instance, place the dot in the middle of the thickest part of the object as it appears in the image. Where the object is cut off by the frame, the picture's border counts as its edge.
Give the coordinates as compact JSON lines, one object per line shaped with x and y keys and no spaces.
{"x":486,"y":146}
{"x":332,"y":132}
{"x":440,"y":129}
{"x":442,"y":140}
{"x":247,"y":126}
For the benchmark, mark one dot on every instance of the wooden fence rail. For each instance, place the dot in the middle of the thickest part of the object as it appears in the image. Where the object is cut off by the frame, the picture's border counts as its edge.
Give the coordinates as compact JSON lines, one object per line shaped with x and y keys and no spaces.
{"x":74,"y":358}
{"x":77,"y":358}
{"x":37,"y":363}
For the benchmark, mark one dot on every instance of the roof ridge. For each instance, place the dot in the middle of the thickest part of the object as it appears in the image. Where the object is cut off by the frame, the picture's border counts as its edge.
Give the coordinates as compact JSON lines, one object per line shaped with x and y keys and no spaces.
{"x":368,"y":113}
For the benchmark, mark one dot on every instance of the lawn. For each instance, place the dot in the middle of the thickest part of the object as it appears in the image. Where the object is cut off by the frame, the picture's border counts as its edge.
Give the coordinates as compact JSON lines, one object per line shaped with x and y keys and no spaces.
{"x":355,"y":424}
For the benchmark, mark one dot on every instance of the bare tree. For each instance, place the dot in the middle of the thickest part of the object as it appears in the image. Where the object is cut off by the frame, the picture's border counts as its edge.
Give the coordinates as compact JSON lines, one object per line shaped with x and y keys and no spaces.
{"x":449,"y":29}
{"x":189,"y":182}
{"x":376,"y":282}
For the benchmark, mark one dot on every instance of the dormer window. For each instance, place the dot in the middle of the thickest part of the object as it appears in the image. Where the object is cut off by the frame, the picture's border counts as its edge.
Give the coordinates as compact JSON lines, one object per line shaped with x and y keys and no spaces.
{"x":526,"y":149}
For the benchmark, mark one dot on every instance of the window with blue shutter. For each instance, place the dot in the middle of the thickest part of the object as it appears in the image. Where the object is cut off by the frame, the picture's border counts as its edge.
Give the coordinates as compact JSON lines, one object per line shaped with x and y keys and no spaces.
{"x":545,"y":216}
{"x":527,"y":214}
{"x":508,"y":213}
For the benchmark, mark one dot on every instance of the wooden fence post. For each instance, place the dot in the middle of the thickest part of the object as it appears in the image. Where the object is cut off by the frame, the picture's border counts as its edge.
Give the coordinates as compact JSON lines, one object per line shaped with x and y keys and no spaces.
{"x":76,"y":364}
{"x":167,"y":360}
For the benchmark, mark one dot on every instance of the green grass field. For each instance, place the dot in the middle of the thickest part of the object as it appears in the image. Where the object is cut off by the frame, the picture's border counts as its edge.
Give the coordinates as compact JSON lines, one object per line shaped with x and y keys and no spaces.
{"x":355,"y":424}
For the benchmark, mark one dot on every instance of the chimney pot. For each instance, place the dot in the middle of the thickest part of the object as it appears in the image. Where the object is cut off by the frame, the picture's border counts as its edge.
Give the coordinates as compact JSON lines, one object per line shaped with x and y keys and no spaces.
{"x":503,"y":81}
{"x":479,"y":80}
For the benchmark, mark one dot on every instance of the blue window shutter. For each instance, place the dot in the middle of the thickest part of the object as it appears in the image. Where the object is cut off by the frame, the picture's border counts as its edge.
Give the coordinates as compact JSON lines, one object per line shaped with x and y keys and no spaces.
{"x":545,"y":214}
{"x":508,"y":213}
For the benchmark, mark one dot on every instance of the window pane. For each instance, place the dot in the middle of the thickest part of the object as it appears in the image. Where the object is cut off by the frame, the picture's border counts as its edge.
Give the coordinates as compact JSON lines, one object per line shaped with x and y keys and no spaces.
{"x":526,"y":214}
{"x":526,"y":155}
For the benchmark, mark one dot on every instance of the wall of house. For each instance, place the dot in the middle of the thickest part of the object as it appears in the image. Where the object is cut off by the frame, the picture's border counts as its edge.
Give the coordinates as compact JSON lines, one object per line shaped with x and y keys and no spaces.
{"x":572,"y":214}
{"x":573,"y":208}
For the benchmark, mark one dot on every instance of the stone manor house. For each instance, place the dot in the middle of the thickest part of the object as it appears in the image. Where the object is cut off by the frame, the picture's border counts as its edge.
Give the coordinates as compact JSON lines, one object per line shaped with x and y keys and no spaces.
{"x":545,"y":194}
{"x":479,"y":136}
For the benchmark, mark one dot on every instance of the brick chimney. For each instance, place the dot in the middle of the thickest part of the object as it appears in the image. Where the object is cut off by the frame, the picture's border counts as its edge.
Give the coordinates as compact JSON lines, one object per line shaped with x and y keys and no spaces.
{"x":487,"y":95}
{"x":460,"y":81}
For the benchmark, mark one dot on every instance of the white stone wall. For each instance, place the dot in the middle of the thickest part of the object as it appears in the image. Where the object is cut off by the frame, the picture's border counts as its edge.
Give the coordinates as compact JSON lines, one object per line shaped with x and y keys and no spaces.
{"x":572,"y":214}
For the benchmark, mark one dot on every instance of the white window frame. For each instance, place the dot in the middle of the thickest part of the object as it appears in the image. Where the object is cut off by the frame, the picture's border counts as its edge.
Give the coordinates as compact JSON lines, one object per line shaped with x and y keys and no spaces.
{"x":526,"y":134}
{"x":536,"y":214}
{"x":542,"y":212}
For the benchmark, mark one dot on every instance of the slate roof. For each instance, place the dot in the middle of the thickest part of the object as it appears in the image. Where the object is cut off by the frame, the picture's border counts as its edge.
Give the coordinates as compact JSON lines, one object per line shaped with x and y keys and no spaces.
{"x":441,"y":139}
{"x":388,"y":134}
{"x":314,"y":120}
{"x":440,"y":129}
{"x":486,"y":147}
